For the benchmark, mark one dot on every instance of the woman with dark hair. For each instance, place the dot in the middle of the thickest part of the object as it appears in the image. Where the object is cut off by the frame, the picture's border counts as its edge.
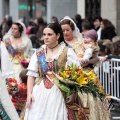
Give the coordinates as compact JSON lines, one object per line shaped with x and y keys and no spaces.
{"x":108,"y":30}
{"x":96,"y":25}
{"x":78,"y":21}
{"x":18,"y":45}
{"x":41,"y":25}
{"x":54,"y":19}
{"x":86,"y":25}
{"x":46,"y":96}
{"x":115,"y":52}
{"x":116,"y":48}
{"x":33,"y":37}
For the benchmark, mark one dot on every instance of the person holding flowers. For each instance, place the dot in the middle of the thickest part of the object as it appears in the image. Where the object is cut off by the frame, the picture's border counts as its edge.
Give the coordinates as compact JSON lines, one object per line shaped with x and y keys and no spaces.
{"x":89,"y":91}
{"x":47,"y":99}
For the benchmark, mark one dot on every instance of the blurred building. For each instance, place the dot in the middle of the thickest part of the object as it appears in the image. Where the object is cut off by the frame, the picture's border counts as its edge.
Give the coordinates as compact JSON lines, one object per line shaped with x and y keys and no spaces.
{"x":30,"y":9}
{"x":109,"y":9}
{"x":18,"y":9}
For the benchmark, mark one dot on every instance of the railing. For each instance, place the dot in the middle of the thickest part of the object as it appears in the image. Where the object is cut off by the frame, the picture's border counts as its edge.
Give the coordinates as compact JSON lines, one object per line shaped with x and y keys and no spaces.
{"x":109,"y":75}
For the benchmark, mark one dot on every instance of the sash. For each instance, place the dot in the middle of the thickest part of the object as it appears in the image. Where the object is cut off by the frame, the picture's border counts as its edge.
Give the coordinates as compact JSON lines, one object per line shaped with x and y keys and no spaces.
{"x":10,"y":48}
{"x":50,"y":75}
{"x":42,"y":60}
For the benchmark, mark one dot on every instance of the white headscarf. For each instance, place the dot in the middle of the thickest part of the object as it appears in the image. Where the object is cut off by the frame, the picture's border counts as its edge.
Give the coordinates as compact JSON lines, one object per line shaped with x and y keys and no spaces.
{"x":26,"y":40}
{"x":9,"y":33}
{"x":76,"y":32}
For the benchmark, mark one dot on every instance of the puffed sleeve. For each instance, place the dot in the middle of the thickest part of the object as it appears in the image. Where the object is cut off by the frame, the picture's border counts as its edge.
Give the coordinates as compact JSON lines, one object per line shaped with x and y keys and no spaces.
{"x":27,"y":51}
{"x":33,"y":66}
{"x":88,"y":54}
{"x":72,"y":57}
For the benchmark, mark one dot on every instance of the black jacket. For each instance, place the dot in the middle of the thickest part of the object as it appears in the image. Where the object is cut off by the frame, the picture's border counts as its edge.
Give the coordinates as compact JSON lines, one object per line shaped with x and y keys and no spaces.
{"x":108,"y":33}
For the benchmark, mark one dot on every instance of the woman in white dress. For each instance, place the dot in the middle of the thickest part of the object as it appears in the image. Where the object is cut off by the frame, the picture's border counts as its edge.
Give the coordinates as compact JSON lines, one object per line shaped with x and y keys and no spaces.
{"x":18,"y":45}
{"x":45,"y":100}
{"x":7,"y":110}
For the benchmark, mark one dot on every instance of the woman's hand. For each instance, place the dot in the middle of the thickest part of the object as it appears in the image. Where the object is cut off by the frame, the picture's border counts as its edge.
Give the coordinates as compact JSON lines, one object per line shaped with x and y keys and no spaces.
{"x":84,"y":63}
{"x":30,"y":98}
{"x":103,"y":59}
{"x":71,"y":99}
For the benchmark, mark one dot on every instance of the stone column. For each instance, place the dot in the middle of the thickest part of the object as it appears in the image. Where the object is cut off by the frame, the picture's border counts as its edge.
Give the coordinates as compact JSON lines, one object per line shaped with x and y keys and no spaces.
{"x":14,"y":12}
{"x":1,"y":10}
{"x":81,"y":8}
{"x":109,"y":11}
{"x":118,"y":17}
{"x":61,"y":8}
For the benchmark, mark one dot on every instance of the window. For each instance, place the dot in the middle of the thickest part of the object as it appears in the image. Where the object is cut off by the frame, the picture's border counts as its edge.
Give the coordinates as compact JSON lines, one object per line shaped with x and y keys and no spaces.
{"x":92,"y":8}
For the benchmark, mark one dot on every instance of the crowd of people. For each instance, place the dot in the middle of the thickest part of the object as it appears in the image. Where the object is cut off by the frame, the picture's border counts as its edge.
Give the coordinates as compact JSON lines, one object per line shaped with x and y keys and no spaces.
{"x":30,"y":55}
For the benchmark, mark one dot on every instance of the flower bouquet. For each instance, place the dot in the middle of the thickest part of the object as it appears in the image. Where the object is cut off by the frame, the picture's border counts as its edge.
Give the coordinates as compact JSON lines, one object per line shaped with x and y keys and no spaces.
{"x":82,"y":80}
{"x":19,"y":98}
{"x":12,"y":85}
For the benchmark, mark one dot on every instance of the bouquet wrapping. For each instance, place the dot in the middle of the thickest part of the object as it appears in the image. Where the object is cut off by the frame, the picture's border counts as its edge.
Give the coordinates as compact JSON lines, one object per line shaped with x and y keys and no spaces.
{"x":73,"y":78}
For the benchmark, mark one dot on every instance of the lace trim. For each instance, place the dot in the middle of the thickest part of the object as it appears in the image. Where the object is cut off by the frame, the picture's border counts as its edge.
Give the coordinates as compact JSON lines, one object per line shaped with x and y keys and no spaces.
{"x":62,"y":45}
{"x":60,"y":51}
{"x":21,"y":46}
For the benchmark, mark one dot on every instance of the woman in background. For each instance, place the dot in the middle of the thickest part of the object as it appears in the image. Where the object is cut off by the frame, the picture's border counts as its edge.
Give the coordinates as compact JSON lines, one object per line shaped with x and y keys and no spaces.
{"x":19,"y":47}
{"x":107,"y":30}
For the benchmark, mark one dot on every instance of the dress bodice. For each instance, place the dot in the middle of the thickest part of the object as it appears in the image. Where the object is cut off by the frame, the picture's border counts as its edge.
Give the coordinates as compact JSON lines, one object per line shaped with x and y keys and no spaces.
{"x":58,"y":62}
{"x":23,"y":46}
{"x":77,"y":45}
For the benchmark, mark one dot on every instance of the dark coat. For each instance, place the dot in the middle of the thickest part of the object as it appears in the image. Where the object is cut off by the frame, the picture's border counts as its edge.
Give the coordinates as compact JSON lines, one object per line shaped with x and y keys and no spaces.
{"x":108,"y":33}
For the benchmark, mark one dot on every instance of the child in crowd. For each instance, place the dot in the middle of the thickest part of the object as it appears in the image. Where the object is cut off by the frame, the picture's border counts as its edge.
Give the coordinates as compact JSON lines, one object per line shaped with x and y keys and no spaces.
{"x":19,"y":98}
{"x":89,"y":47}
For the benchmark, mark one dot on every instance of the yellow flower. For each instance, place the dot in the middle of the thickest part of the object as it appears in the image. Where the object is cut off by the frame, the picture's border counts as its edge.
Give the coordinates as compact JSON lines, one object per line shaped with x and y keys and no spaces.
{"x":64,"y":74}
{"x":101,"y":90}
{"x":82,"y":80}
{"x":90,"y":75}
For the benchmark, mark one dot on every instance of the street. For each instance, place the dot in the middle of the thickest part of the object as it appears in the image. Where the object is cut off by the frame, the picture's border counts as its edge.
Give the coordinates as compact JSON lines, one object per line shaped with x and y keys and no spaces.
{"x":115,"y":115}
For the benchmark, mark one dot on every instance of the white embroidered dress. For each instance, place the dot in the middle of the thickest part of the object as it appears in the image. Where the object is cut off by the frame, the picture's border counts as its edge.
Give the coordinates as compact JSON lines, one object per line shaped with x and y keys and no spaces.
{"x":24,"y":48}
{"x":48,"y":104}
